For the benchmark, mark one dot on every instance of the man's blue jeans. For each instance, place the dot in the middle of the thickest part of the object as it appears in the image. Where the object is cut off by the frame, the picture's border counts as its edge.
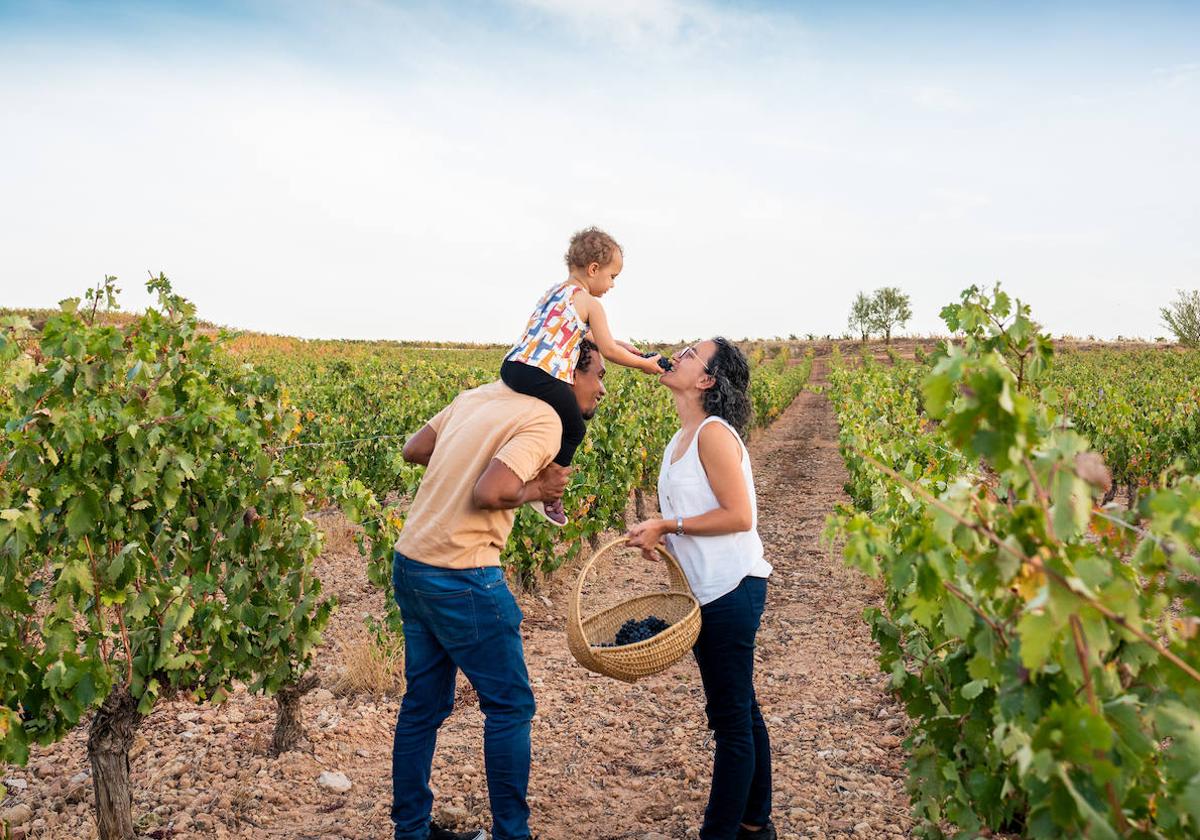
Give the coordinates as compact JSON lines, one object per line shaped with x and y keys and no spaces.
{"x":468,"y":619}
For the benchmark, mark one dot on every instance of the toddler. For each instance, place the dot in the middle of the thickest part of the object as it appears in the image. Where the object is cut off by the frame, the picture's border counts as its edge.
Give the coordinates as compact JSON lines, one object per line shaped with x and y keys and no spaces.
{"x":542,"y":363}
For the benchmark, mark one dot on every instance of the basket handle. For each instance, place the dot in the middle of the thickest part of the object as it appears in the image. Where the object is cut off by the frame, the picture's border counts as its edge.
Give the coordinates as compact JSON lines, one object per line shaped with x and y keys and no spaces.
{"x":675,"y":576}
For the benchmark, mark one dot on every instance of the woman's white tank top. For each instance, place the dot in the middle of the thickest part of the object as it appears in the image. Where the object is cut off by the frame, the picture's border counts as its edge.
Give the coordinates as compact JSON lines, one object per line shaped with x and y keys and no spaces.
{"x":714,"y":566}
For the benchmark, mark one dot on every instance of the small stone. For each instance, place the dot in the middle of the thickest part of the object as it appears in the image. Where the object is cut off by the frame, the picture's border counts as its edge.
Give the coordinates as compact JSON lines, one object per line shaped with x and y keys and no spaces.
{"x":453,"y":813}
{"x":321,"y":695}
{"x":17,"y":815}
{"x":78,"y":793}
{"x":140,"y":742}
{"x":862,"y":828}
{"x":334,"y":781}
{"x":80,"y":777}
{"x":188,"y":717}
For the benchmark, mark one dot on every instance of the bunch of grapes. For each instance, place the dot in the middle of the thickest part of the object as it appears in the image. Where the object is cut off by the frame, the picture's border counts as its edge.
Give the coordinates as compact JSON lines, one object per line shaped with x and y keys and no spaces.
{"x":663,"y":363}
{"x":634,"y":630}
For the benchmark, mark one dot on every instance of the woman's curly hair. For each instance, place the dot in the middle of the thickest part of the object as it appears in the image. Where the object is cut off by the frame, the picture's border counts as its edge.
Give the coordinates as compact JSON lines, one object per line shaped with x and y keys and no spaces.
{"x":591,"y":245}
{"x":729,"y":397}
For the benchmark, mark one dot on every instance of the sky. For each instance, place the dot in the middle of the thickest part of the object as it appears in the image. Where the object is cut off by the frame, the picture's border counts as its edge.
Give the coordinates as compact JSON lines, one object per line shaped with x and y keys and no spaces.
{"x":372,"y":169}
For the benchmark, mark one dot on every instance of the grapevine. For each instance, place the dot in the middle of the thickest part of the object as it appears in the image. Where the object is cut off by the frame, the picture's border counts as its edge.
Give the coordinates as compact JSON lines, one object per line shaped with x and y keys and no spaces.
{"x":1048,"y":657}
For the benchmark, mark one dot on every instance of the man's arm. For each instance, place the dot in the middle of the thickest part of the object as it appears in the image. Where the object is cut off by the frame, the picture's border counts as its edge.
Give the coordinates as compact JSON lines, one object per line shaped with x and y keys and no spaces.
{"x":499,"y":488}
{"x":418,"y":449}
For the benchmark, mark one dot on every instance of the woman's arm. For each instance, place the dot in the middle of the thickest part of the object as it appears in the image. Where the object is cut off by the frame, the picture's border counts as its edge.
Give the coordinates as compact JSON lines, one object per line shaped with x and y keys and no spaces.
{"x":592,"y":312}
{"x":721,"y":456}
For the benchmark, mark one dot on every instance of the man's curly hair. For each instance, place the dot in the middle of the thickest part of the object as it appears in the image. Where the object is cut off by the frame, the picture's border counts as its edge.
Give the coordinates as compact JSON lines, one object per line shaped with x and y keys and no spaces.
{"x":587,"y":349}
{"x":591,"y":245}
{"x":729,"y":397}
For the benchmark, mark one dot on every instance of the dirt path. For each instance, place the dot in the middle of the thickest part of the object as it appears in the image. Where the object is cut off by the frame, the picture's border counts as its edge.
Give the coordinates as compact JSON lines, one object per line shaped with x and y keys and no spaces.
{"x":610,"y":760}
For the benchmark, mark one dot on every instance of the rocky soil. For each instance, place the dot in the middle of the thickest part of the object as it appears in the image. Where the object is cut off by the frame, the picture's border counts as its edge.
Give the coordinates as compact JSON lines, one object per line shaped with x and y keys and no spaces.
{"x":610,"y":760}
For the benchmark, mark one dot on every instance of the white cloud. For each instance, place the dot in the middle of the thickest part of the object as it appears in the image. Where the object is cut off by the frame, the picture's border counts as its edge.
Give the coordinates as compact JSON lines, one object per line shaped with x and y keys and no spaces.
{"x":939,"y":98}
{"x":1178,"y":75}
{"x":952,"y":205}
{"x":430,"y":194}
{"x":650,"y":25}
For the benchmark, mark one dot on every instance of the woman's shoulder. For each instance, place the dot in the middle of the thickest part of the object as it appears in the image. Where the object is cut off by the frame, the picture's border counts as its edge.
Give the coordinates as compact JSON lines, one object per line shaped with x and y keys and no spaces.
{"x":717,"y":436}
{"x":715,"y":427}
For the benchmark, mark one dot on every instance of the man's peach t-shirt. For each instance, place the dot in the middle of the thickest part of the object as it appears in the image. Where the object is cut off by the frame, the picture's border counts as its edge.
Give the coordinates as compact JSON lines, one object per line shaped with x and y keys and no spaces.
{"x":444,"y":527}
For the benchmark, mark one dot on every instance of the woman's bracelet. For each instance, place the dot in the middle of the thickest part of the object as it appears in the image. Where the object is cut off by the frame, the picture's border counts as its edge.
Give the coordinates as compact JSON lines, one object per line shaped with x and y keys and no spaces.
{"x":679,"y":526}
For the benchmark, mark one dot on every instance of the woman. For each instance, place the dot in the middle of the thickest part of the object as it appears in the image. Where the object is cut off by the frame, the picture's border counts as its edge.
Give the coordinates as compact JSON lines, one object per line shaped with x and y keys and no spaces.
{"x":710,"y":518}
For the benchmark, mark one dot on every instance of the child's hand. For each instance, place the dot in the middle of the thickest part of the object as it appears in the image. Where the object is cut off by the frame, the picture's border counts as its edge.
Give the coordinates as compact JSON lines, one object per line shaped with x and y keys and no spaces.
{"x":655,"y":363}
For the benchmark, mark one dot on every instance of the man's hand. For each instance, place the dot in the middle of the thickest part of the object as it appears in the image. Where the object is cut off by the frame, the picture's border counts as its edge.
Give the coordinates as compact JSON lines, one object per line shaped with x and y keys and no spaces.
{"x":550,"y":484}
{"x":648,"y":534}
{"x":499,"y":488}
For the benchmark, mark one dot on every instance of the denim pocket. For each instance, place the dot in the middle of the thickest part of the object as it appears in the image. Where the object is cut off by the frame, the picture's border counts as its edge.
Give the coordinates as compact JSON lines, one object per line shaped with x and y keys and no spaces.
{"x":450,"y":615}
{"x":504,"y":605}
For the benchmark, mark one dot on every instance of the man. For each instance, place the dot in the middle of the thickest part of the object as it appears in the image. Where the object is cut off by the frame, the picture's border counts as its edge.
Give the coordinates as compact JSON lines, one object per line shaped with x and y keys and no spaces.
{"x":489,"y":452}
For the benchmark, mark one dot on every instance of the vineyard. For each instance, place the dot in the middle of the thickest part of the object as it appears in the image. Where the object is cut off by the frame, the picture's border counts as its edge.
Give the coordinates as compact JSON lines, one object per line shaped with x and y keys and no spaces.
{"x":1141,"y":409}
{"x":155,"y":508}
{"x":1046,"y":648}
{"x":355,"y":409}
{"x":1032,"y":514}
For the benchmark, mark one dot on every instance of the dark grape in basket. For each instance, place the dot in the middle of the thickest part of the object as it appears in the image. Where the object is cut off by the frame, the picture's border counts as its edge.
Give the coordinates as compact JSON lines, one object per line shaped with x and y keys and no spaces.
{"x":634,"y":630}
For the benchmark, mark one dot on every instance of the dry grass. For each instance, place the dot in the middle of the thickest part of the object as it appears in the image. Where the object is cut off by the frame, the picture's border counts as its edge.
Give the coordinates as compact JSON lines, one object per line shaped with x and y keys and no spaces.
{"x":339,"y":532}
{"x":372,"y":668}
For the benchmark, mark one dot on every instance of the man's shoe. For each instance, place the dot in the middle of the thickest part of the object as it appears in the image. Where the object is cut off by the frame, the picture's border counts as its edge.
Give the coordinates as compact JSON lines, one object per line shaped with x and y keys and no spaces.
{"x":438,"y":832}
{"x":767,"y":832}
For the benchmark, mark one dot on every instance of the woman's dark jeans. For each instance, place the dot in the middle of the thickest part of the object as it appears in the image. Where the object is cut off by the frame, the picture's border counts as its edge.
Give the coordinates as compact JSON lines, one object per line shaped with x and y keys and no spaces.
{"x":741,"y":781}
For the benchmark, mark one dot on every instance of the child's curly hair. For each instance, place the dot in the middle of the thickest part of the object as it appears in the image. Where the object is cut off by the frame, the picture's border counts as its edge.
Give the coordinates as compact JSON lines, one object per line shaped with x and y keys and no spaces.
{"x":591,"y":245}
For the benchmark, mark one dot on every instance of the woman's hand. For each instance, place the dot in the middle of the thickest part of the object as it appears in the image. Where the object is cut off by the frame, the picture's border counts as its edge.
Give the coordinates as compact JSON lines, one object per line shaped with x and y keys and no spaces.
{"x":648,"y":534}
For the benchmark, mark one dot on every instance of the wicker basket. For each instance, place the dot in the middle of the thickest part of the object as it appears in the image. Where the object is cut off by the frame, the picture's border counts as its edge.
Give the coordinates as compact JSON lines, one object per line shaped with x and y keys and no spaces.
{"x":677,"y":606}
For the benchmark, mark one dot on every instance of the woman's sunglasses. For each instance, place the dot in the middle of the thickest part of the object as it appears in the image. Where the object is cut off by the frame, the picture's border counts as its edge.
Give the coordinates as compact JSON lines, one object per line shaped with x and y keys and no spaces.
{"x":690,"y":350}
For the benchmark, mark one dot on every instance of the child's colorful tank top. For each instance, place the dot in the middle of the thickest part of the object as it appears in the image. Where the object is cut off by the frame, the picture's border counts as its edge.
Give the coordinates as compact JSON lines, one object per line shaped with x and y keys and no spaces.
{"x":551,"y":339}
